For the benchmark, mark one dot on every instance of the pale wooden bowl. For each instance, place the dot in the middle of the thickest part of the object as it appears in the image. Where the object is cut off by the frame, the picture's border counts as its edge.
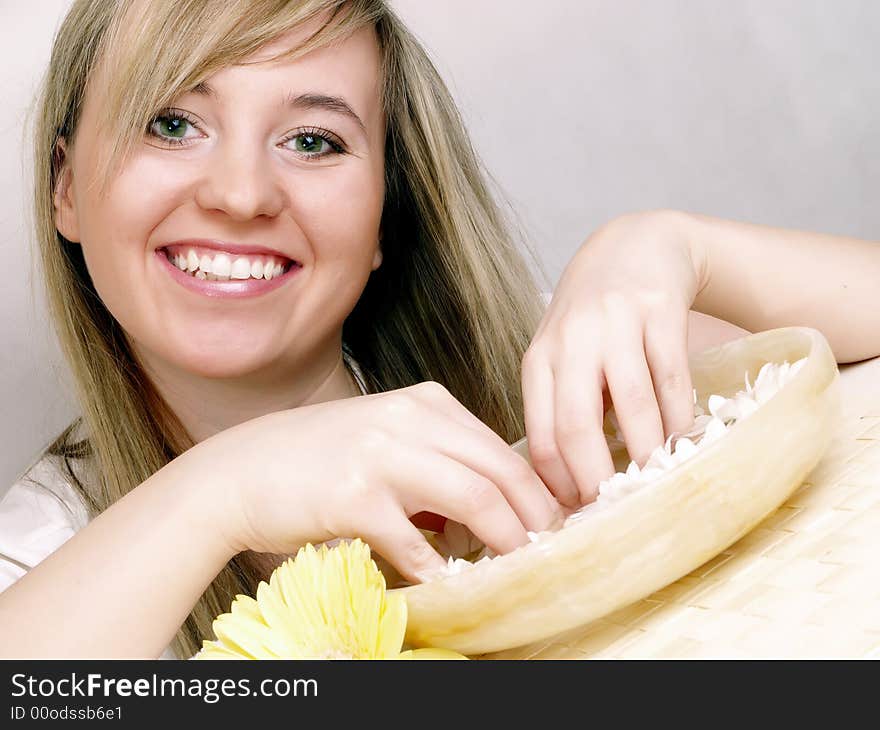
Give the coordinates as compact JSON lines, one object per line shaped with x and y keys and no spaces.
{"x":625,"y":552}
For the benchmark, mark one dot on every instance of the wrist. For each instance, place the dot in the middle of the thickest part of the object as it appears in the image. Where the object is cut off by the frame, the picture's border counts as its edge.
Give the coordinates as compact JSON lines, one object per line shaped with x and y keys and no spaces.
{"x":690,"y":229}
{"x":207,"y":504}
{"x":677,"y":229}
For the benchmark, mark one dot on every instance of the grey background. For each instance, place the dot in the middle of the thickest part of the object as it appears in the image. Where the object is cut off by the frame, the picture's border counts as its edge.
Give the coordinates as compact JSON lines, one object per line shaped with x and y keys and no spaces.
{"x":762,"y":110}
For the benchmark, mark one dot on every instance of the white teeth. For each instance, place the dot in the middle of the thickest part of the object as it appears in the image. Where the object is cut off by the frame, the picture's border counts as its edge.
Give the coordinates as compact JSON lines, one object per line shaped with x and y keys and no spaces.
{"x":241,"y":268}
{"x":222,"y":266}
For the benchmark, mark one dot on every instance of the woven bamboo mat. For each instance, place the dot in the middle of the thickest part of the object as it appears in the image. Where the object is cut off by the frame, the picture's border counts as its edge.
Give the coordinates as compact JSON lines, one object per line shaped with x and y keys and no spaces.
{"x":805,"y":583}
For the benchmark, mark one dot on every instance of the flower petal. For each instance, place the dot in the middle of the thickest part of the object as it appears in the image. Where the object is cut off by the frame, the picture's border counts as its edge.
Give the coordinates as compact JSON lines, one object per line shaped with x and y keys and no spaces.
{"x":392,"y":627}
{"x":431,"y":654}
{"x":216,"y":650}
{"x":245,"y":636}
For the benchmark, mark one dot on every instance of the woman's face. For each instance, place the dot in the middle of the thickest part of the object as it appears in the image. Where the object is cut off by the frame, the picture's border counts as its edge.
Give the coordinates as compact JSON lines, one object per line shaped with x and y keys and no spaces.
{"x":272,"y":168}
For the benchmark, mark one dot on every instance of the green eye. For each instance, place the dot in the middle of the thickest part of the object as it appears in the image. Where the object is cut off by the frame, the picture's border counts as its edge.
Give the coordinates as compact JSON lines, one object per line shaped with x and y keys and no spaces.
{"x":314,"y":144}
{"x":174,"y":127}
{"x":171,"y":125}
{"x":309,"y":143}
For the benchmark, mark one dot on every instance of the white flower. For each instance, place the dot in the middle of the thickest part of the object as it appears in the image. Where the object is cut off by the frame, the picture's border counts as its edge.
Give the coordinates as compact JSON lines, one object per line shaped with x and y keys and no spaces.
{"x":685,"y":448}
{"x":715,"y":429}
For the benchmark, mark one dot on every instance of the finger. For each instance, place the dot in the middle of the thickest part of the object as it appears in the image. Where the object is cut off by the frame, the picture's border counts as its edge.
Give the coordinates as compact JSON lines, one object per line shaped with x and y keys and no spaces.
{"x":428,"y":480}
{"x":397,"y":540}
{"x":578,"y":425}
{"x":632,"y":390}
{"x":538,"y":410}
{"x":666,"y":351}
{"x":460,"y":435}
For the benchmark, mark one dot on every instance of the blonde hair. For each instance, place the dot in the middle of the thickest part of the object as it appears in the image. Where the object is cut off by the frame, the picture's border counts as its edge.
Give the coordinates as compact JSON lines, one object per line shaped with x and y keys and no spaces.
{"x":454,"y":300}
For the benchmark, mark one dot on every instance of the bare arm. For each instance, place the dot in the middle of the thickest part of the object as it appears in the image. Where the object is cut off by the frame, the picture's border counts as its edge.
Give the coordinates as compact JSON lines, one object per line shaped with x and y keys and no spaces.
{"x":761,"y":278}
{"x":705,"y":331}
{"x":123,"y":585}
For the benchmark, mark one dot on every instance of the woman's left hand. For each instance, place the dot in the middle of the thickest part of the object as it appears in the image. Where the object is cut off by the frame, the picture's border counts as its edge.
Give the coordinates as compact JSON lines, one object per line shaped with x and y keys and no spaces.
{"x":615,"y":333}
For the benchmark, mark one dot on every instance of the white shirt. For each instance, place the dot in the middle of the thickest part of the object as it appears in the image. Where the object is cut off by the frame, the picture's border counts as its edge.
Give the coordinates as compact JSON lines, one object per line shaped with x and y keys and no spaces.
{"x":37,"y":514}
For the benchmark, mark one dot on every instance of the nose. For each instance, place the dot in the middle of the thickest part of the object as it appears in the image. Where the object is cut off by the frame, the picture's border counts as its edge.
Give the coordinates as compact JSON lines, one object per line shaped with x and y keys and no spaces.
{"x":240,"y":181}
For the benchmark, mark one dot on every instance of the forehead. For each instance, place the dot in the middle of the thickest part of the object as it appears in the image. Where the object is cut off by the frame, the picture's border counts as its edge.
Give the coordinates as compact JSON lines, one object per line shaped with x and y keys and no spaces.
{"x":350,"y":68}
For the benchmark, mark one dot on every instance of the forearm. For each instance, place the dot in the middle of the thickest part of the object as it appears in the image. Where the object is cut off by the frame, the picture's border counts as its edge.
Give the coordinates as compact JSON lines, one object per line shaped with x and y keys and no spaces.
{"x":123,"y":585}
{"x":761,"y":278}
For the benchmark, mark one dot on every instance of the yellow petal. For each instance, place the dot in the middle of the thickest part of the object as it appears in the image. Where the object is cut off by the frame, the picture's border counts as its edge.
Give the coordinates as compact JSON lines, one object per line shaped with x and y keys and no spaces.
{"x":431,"y":654}
{"x":248,"y":637}
{"x":392,"y":628}
{"x":246,"y":607}
{"x":324,"y":603}
{"x":216,"y":650}
{"x":277,"y":616}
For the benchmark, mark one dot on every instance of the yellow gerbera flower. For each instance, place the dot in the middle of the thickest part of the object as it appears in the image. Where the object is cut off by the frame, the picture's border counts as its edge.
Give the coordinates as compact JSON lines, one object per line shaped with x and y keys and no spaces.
{"x":323,"y":604}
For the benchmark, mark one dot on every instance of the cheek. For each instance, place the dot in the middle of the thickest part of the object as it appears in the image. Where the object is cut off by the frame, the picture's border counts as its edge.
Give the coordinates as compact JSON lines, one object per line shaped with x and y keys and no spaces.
{"x":339,"y":212}
{"x":116,"y":228}
{"x":118,"y":225}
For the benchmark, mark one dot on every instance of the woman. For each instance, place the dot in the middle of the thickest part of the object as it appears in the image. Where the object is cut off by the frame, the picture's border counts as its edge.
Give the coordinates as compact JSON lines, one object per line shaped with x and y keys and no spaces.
{"x":252,"y":212}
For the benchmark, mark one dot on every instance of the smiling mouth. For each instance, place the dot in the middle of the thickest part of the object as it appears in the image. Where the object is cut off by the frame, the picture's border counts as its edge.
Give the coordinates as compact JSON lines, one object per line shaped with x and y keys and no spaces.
{"x":215,"y":265}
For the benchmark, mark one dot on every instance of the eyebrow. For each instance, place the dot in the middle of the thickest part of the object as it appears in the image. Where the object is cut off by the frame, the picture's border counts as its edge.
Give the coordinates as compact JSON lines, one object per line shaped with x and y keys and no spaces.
{"x":307,"y":100}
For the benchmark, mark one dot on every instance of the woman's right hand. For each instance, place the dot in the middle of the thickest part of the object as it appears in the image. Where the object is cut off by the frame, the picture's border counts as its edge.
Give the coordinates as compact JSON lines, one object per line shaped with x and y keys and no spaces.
{"x":360,"y":467}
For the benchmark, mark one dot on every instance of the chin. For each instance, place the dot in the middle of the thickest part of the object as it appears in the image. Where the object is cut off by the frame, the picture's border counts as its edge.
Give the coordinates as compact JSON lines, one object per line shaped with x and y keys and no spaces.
{"x":221,"y":368}
{"x":221,"y":359}
{"x":225,"y":364}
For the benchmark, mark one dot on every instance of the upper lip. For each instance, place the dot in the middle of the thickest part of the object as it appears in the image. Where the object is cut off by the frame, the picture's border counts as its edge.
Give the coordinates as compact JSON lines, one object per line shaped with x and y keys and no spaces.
{"x":238,"y":248}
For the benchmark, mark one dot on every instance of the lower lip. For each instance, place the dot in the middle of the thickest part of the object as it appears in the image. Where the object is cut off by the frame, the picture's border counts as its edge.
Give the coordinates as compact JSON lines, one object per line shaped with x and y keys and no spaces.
{"x":234,"y":288}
